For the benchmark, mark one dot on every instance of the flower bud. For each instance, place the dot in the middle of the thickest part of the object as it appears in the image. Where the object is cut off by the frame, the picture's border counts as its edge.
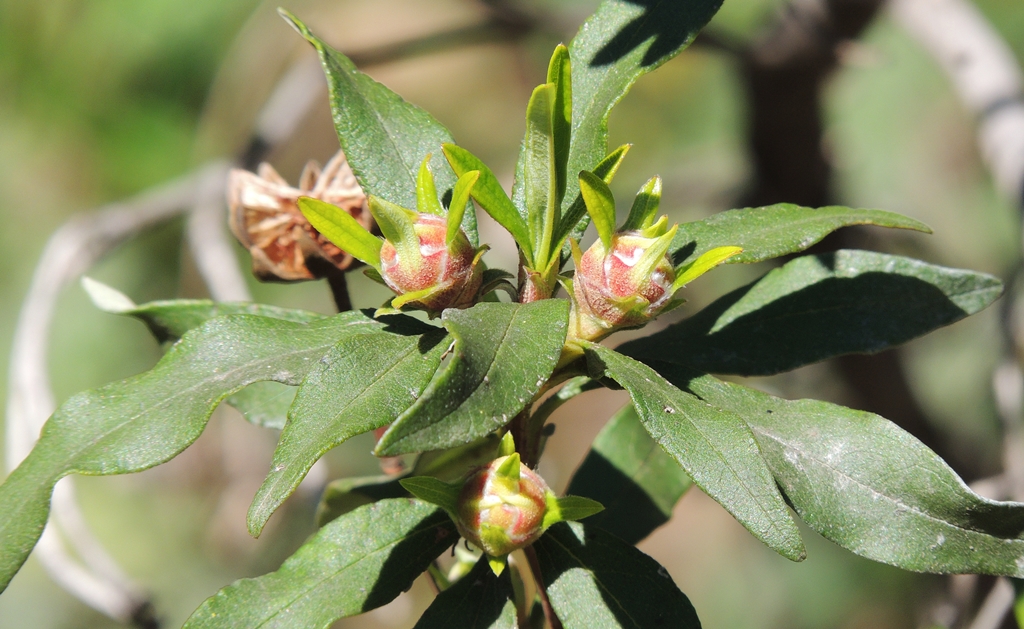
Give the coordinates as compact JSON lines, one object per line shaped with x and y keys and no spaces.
{"x":431,"y":273}
{"x":501,"y":506}
{"x":624,"y":286}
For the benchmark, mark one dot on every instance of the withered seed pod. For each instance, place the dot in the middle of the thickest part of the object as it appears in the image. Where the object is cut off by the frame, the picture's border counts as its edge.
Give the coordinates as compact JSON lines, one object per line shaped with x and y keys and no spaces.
{"x":266,"y":220}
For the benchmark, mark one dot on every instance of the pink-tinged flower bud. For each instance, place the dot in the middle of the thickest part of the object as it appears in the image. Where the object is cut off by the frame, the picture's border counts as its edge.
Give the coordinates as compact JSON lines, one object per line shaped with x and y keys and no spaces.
{"x":622,"y":287}
{"x":501,"y":507}
{"x":433,"y":273}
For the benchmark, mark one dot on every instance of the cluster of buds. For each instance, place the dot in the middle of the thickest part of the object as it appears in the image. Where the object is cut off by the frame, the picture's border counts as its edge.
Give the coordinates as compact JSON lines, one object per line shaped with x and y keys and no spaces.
{"x":424,"y":257}
{"x":502,"y":506}
{"x":265,"y":217}
{"x":626,"y":278}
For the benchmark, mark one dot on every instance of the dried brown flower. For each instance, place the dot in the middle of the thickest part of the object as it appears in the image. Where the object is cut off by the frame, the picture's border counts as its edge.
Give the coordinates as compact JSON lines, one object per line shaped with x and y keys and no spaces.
{"x":266,"y":220}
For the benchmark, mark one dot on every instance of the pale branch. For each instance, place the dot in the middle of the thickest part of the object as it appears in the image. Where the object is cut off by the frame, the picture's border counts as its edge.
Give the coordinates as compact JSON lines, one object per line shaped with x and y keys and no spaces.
{"x":985,"y":74}
{"x":71,"y":251}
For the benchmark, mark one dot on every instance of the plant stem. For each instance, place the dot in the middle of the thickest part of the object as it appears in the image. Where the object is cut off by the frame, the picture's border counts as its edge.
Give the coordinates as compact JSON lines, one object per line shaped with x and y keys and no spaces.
{"x":549,"y":612}
{"x":339,"y":290}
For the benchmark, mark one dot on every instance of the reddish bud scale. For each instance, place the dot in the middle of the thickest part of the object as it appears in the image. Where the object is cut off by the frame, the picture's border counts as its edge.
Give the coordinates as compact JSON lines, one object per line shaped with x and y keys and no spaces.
{"x":449,"y":269}
{"x":518,"y":511}
{"x":611,"y":294}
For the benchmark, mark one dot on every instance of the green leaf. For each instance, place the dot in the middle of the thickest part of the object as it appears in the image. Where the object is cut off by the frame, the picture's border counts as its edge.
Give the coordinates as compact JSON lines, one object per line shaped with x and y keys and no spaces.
{"x":168,"y":320}
{"x":384,"y":137}
{"x":594,"y":579}
{"x":606,"y":170}
{"x":342,"y":229}
{"x":396,"y":223}
{"x":869,"y":486}
{"x":426,"y":191}
{"x":715,"y":447}
{"x":436,"y":492}
{"x":704,"y":263}
{"x":358,"y":562}
{"x":348,"y":494}
{"x":571,"y":508}
{"x":491,"y":196}
{"x":479,"y":600}
{"x":502,"y":357}
{"x":645,"y":206}
{"x":816,"y":307}
{"x":622,"y":41}
{"x":460,"y":198}
{"x":361,"y":384}
{"x":540,"y":179}
{"x":135,"y":424}
{"x":264,"y":403}
{"x":776,"y":230}
{"x":600,"y":206}
{"x":560,"y":76}
{"x":629,"y":473}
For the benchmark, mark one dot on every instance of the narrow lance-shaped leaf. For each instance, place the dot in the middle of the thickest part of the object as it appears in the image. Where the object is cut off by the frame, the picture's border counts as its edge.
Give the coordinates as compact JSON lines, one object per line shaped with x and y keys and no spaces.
{"x":816,"y":307}
{"x":135,"y":424}
{"x":623,"y":40}
{"x":169,"y":319}
{"x":627,"y":471}
{"x":594,"y":579}
{"x":560,"y":76}
{"x":776,"y":230}
{"x":704,"y":263}
{"x":490,"y":195}
{"x":600,"y":206}
{"x":503,"y":355}
{"x":396,"y":223}
{"x":606,"y":170}
{"x":340,"y":228}
{"x":539,"y":173}
{"x":361,"y":384}
{"x":479,"y":600}
{"x":871,"y":487}
{"x":645,"y":206}
{"x":715,"y":447}
{"x":426,"y":191}
{"x":460,"y":199}
{"x":383,"y":136}
{"x":358,"y":562}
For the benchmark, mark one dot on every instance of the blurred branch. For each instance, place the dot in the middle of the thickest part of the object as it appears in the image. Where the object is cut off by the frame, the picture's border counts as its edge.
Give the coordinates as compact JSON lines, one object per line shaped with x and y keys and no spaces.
{"x":73,"y":249}
{"x":985,"y":74}
{"x":88,"y":237}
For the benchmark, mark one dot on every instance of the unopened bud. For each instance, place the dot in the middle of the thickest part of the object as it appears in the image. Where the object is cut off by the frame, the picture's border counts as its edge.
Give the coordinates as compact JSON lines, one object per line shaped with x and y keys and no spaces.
{"x":612,"y":290}
{"x":501,"y":507}
{"x":430,"y":273}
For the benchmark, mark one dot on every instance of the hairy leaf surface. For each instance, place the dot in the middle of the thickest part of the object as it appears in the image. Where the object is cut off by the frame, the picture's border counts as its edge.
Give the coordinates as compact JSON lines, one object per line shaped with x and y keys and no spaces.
{"x":816,"y":307}
{"x":715,"y":447}
{"x":364,"y":382}
{"x":775,"y":230}
{"x":134,"y":424}
{"x":356,"y":563}
{"x":871,"y":487}
{"x":503,"y":355}
{"x":621,"y":42}
{"x":385,"y":138}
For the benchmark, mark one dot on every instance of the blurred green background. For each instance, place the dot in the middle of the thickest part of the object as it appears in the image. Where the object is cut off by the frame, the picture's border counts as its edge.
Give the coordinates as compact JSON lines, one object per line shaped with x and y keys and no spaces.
{"x":102,"y":99}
